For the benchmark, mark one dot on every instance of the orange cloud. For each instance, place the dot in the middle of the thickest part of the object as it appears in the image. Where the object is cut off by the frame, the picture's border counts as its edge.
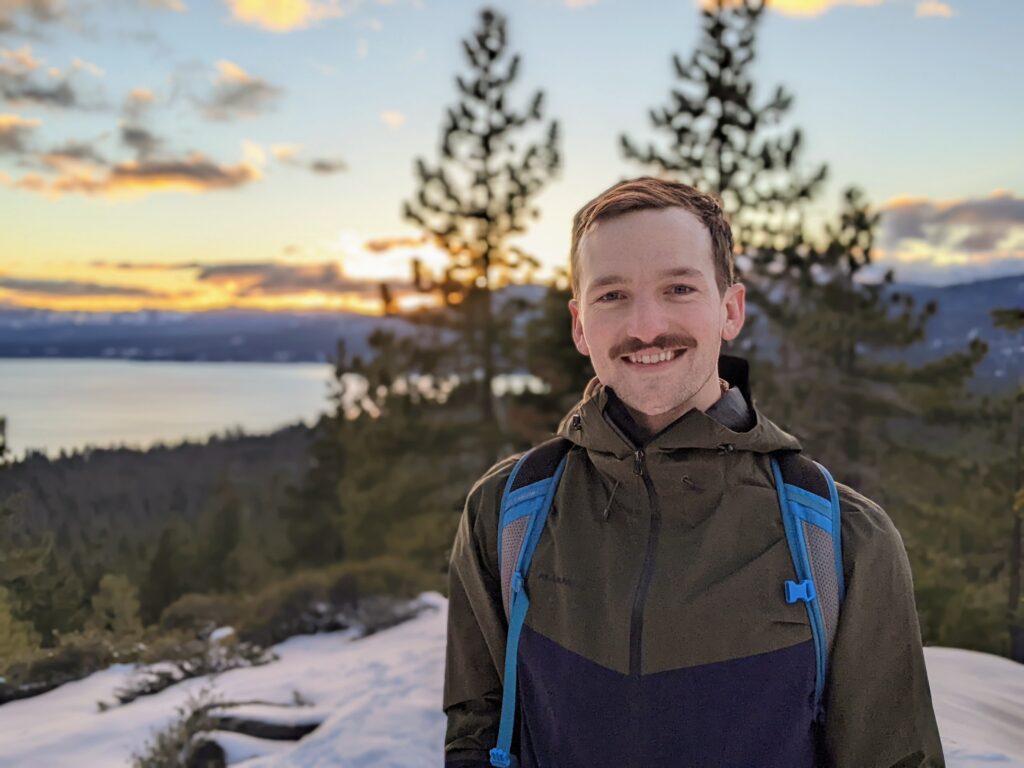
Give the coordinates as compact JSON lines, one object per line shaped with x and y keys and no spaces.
{"x":965,"y":238}
{"x":19,"y":61}
{"x":238,"y":94}
{"x":133,"y":178}
{"x":383,"y":244}
{"x":798,"y":8}
{"x":286,"y":15}
{"x":15,"y":131}
{"x":933,"y":8}
{"x":141,"y":96}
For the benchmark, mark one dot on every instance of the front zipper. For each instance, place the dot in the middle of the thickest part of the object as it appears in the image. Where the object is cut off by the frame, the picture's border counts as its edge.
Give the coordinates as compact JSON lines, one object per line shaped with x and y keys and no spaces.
{"x":636,"y":623}
{"x":636,"y":619}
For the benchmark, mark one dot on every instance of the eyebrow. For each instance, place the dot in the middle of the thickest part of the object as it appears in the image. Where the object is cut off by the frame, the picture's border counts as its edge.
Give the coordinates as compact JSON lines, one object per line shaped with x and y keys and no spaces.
{"x":689,"y":272}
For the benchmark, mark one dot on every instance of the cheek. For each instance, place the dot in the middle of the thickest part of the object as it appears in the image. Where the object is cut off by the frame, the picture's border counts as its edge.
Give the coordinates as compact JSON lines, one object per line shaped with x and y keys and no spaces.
{"x":600,"y":336}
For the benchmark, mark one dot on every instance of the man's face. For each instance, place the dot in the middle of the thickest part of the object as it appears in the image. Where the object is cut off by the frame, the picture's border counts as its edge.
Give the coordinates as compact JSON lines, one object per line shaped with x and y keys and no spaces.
{"x":647,"y":291}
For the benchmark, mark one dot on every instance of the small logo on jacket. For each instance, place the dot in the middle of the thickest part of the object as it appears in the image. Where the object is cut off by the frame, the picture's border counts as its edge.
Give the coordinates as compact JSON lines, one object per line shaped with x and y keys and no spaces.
{"x":565,"y":582}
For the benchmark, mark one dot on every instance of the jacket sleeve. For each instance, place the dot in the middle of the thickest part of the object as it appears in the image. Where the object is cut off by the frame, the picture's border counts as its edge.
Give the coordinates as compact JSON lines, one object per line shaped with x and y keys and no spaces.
{"x":879,"y":706}
{"x":477,"y":627}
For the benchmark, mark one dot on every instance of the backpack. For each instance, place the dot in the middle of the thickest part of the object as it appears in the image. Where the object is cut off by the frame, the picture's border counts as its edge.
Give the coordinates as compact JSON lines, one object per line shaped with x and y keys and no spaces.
{"x":808,"y":502}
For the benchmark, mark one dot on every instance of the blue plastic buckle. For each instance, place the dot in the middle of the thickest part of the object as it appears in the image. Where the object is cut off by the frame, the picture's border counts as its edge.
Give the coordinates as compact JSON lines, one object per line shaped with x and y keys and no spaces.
{"x":500,"y":758}
{"x":803,"y":590}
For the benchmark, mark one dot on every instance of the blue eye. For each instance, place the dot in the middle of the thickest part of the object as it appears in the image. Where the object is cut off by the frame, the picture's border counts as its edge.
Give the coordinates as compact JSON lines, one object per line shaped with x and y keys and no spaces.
{"x":681,"y":290}
{"x":605,"y":297}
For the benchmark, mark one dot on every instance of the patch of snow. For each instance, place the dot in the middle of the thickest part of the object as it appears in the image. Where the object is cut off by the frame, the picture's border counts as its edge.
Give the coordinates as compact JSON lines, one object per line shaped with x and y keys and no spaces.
{"x":238,"y":747}
{"x":275,"y":715}
{"x":221,"y":633}
{"x":979,"y":703}
{"x":380,"y":701}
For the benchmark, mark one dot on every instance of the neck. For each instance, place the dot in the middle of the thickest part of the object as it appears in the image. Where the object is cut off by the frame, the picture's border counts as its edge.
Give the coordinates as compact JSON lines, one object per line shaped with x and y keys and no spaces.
{"x":709,"y":394}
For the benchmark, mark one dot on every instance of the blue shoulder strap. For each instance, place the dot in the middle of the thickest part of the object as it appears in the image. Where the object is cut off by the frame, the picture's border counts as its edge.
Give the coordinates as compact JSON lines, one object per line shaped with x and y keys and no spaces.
{"x":524,"y":512}
{"x":809,"y":504}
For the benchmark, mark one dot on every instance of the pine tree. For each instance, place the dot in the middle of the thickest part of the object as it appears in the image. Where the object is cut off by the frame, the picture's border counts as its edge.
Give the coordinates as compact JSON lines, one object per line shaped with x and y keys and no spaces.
{"x":313,"y":510}
{"x":832,"y":373}
{"x":17,"y":638}
{"x":5,"y":454}
{"x":550,"y":355}
{"x":115,"y":607}
{"x":168,"y":576}
{"x":723,"y":140}
{"x":481,"y":194}
{"x":219,"y":532}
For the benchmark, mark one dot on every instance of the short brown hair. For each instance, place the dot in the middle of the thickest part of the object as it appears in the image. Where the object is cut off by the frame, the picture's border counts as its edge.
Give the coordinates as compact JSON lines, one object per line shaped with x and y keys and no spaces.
{"x":649,"y":193}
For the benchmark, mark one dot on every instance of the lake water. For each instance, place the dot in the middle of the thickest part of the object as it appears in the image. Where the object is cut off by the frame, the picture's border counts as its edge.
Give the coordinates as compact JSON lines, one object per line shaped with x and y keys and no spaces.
{"x":54,"y":404}
{"x":69,"y":404}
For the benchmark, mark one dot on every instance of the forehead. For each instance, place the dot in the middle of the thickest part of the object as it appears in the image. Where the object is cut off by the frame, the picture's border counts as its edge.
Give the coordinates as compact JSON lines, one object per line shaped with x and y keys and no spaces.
{"x":644,"y":244}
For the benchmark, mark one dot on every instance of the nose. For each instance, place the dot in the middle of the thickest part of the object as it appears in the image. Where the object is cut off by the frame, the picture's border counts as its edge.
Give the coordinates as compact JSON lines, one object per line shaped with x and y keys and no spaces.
{"x":647,"y":320}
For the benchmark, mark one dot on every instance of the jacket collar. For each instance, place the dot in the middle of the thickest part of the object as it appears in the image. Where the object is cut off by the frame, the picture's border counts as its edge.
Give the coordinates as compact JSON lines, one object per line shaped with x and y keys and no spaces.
{"x":596,"y":423}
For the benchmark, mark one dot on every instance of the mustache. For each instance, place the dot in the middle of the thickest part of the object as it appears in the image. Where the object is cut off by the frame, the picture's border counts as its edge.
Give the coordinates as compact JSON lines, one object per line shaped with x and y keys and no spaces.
{"x":664,"y":342}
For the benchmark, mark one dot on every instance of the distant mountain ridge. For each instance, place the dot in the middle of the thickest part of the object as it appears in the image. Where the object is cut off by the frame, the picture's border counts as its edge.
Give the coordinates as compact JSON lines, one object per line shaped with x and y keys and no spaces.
{"x":253,"y":336}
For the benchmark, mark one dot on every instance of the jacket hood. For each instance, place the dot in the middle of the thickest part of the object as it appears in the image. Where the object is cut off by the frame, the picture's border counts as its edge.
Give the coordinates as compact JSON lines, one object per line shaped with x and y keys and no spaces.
{"x":589,"y":425}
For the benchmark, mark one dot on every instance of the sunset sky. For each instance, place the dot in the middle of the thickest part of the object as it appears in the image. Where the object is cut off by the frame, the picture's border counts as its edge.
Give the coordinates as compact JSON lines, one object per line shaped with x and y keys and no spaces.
{"x":195,"y":154}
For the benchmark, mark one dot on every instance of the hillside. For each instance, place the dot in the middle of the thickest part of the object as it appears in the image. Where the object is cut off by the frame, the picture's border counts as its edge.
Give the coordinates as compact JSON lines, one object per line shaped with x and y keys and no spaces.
{"x":376,"y":704}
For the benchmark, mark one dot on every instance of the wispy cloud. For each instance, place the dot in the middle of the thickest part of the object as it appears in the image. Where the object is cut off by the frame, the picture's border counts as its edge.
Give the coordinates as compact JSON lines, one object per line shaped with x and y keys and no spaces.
{"x":21,"y":16}
{"x":32,"y":17}
{"x":929,"y":240}
{"x":288,"y":15}
{"x":192,"y":173}
{"x":799,"y":8}
{"x":933,"y":8}
{"x":277,"y":279}
{"x":23,"y":82}
{"x":238,"y":94}
{"x":289,"y":154}
{"x":80,"y":65}
{"x":384,"y":244}
{"x":177,"y":6}
{"x":15,"y":133}
{"x":72,"y":288}
{"x":392,"y":118}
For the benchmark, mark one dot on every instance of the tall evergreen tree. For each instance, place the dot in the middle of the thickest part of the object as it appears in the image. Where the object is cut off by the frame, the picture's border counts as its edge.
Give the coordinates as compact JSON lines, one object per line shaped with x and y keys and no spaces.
{"x":830,"y":329}
{"x":168,"y":576}
{"x":18,"y":639}
{"x":115,"y":607}
{"x":219,"y":532}
{"x":832,"y":373}
{"x":722,"y":139}
{"x":481,"y":194}
{"x":312,"y":511}
{"x":5,"y":454}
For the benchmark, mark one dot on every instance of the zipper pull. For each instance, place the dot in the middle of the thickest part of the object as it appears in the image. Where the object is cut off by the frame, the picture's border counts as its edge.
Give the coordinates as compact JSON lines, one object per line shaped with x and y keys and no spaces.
{"x":638,"y":462}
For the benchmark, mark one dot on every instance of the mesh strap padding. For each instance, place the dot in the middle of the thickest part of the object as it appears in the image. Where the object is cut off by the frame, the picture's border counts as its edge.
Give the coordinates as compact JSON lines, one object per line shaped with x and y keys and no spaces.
{"x":823,"y":567}
{"x":512,"y":537}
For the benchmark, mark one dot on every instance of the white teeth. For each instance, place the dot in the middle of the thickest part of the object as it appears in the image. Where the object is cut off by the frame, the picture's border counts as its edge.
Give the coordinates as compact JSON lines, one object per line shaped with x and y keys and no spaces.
{"x":661,"y":357}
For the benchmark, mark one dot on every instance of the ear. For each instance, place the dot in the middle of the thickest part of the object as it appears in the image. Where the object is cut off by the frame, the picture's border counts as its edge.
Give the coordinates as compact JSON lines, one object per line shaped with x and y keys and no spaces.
{"x":733,"y":310}
{"x":577,"y":328}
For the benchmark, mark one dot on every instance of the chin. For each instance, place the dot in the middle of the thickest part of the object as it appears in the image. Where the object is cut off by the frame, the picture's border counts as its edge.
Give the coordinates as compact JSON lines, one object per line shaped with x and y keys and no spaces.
{"x":651,"y":405}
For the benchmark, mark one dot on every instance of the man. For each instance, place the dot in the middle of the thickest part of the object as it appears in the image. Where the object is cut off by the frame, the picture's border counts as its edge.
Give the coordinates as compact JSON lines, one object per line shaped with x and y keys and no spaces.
{"x":656,"y":634}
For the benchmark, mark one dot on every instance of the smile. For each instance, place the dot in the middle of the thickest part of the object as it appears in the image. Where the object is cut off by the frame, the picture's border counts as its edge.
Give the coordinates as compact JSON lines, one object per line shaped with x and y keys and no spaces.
{"x":653,"y":359}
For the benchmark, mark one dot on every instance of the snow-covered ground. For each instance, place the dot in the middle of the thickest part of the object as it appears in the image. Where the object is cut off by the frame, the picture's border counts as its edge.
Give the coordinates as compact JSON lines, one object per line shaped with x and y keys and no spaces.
{"x":379,"y":701}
